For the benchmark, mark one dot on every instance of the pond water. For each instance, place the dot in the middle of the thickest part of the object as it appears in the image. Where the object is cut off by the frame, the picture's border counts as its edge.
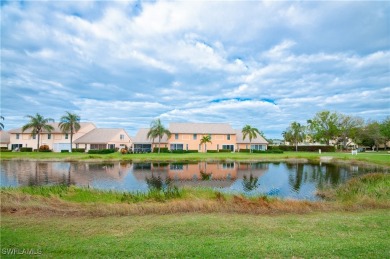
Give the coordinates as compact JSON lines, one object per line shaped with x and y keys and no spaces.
{"x":283,"y":180}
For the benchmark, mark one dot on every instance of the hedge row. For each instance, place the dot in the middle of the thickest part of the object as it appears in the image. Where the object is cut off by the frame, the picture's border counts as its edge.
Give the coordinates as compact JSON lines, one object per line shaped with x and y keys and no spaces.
{"x":162,"y":150}
{"x":183,"y":151}
{"x":307,"y":148}
{"x":101,"y":151}
{"x":26,"y":149}
{"x":269,"y":151}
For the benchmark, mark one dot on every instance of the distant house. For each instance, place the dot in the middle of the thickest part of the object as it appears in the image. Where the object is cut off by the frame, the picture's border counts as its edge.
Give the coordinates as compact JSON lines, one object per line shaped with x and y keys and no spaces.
{"x":258,"y":143}
{"x":141,"y":142}
{"x":56,"y":139}
{"x":103,"y":139}
{"x":4,"y":139}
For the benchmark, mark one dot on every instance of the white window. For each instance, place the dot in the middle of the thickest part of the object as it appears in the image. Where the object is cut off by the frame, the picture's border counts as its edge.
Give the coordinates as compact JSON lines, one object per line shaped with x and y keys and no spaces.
{"x":17,"y":135}
{"x":195,"y":136}
{"x":176,"y":136}
{"x":66,"y":135}
{"x":34,"y":136}
{"x":49,"y":136}
{"x":122,"y":137}
{"x":228,"y":137}
{"x":176,"y":146}
{"x":257,"y":147}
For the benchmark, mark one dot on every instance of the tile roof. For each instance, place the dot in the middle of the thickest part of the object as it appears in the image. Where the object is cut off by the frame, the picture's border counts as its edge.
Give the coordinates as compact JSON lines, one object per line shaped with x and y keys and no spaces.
{"x":201,"y":128}
{"x":98,"y":136}
{"x":54,"y":124}
{"x":4,"y":137}
{"x":141,"y":137}
{"x":258,"y":140}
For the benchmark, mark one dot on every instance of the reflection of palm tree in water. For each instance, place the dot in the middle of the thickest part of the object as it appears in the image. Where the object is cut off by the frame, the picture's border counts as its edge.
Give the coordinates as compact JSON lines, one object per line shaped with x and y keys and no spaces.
{"x":250,"y":183}
{"x":296,"y":182}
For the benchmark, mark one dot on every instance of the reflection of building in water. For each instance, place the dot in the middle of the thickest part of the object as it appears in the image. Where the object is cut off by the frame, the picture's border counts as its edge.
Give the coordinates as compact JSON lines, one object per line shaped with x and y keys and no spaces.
{"x":254,"y":169}
{"x":43,"y":173}
{"x":37,"y":173}
{"x":199,"y":174}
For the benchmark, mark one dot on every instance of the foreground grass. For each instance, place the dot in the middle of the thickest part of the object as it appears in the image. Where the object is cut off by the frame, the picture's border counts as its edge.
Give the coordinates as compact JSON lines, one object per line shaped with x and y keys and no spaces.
{"x":319,"y":235}
{"x":365,"y":192}
{"x":72,"y":222}
{"x":379,"y":158}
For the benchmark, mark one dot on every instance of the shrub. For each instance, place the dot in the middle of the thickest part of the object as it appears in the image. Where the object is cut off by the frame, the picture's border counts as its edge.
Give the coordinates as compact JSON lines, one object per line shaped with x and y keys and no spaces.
{"x":101,"y":151}
{"x":78,"y":150}
{"x":26,"y":149}
{"x":64,"y":151}
{"x":124,"y":151}
{"x":312,"y":148}
{"x":162,"y":150}
{"x":212,"y":151}
{"x":224,"y":151}
{"x":2,"y":148}
{"x":44,"y":148}
{"x":5,"y":150}
{"x":244,"y":151}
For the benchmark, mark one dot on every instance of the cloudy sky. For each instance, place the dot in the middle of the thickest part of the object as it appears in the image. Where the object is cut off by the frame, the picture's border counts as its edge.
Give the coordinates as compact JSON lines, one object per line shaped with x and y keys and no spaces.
{"x":122,"y":64}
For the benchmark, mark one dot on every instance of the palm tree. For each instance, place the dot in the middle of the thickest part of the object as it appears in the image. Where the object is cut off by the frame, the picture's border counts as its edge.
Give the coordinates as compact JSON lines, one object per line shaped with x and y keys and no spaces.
{"x":204,"y":140}
{"x":1,"y":124}
{"x":38,"y":123}
{"x":157,"y":130}
{"x":251,"y":133}
{"x":70,"y":123}
{"x":295,"y":133}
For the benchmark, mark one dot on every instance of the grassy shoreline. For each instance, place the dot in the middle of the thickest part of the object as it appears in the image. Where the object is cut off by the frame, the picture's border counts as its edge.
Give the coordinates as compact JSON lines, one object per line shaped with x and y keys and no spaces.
{"x":75,"y":222}
{"x":381,"y":158}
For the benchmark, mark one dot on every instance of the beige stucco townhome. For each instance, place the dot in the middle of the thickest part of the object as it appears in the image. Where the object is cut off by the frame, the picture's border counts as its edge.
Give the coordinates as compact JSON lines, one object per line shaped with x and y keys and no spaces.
{"x":4,"y":139}
{"x":104,"y":138}
{"x":55,"y":139}
{"x":187,"y":136}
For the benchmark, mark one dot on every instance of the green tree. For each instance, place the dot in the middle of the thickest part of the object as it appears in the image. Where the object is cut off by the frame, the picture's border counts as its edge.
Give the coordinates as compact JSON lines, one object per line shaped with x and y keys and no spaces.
{"x":295,"y":133}
{"x":157,"y":130}
{"x":70,"y":123}
{"x":204,"y":140}
{"x":38,"y":123}
{"x":251,"y":133}
{"x":385,"y":129}
{"x":1,"y":124}
{"x":324,"y":126}
{"x":349,"y":127}
{"x":372,"y":135}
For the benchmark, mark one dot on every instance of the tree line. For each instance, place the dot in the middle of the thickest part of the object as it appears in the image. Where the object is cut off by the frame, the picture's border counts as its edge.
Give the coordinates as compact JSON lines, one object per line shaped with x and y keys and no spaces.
{"x":328,"y":126}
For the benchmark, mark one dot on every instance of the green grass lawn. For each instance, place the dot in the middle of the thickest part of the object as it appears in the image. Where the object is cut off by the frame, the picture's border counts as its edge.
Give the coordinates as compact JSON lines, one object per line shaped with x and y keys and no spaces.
{"x":319,"y":235}
{"x":380,"y":158}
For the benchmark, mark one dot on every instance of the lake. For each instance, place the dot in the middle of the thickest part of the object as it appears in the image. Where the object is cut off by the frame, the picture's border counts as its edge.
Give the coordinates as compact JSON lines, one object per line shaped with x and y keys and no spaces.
{"x":284,"y":180}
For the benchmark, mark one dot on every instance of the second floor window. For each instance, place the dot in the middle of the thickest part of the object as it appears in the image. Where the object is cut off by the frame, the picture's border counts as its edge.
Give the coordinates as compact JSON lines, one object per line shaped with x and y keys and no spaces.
{"x":66,"y":135}
{"x":49,"y":136}
{"x":34,"y":136}
{"x":176,"y":136}
{"x":122,"y":137}
{"x":228,"y":137}
{"x":195,"y":136}
{"x":17,"y":136}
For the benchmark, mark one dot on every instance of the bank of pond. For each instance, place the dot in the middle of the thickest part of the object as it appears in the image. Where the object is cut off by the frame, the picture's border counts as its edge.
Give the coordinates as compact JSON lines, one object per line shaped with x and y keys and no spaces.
{"x":154,"y":180}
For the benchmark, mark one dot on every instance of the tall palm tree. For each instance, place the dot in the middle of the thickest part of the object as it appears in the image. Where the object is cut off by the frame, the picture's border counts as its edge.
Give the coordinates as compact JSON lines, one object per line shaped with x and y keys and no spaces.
{"x":297,"y":133}
{"x":70,"y":123}
{"x":251,"y":133}
{"x":204,"y":140}
{"x":157,"y":130}
{"x":38,"y":123}
{"x":1,"y":124}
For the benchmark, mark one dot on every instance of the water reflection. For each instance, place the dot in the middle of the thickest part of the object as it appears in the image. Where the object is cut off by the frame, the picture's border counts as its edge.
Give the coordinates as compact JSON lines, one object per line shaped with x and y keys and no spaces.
{"x":285,"y":180}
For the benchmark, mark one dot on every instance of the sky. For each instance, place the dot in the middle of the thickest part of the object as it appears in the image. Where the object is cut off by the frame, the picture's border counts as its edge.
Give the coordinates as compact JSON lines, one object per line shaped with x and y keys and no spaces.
{"x":263,"y":63}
